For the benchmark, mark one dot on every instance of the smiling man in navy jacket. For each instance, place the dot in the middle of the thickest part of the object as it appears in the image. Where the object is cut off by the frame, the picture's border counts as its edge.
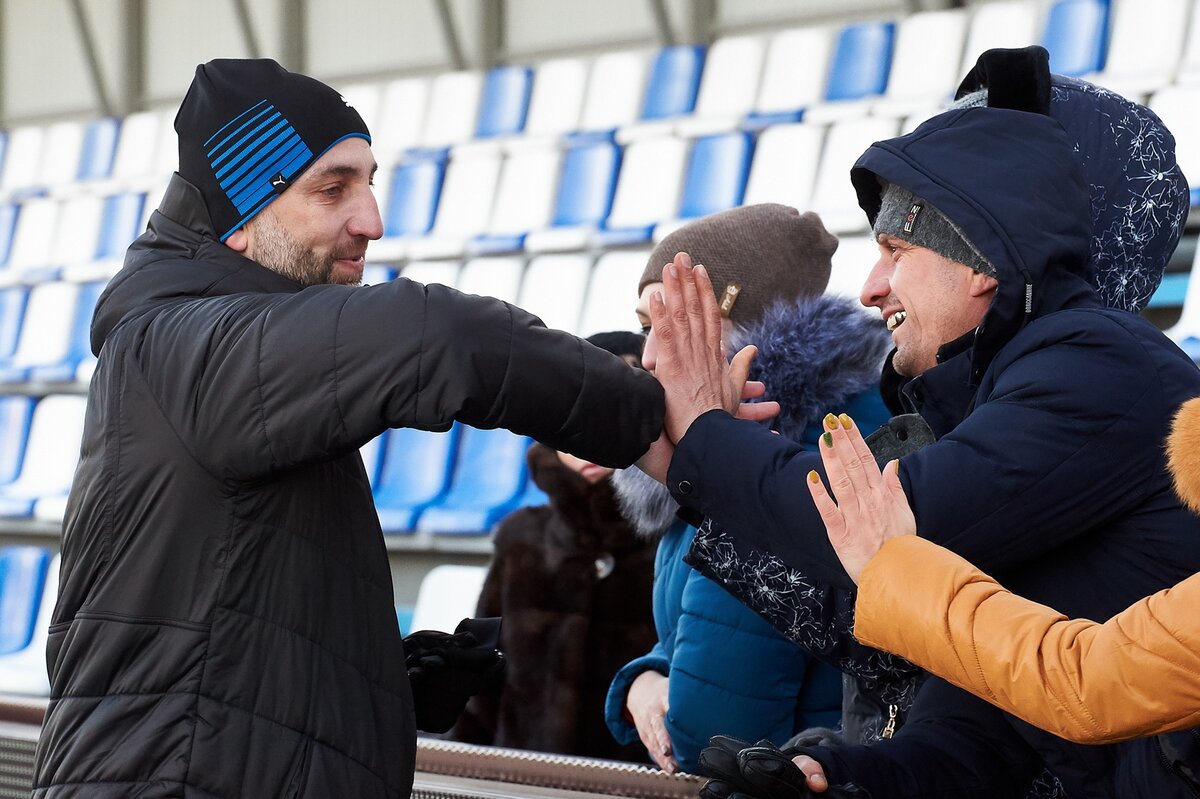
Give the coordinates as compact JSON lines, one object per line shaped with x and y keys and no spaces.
{"x":1049,"y":409}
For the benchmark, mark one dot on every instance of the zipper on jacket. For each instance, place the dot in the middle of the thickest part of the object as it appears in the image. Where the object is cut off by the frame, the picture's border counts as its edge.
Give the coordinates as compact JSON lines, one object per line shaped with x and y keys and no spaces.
{"x":890,"y":728}
{"x":1175,"y":768}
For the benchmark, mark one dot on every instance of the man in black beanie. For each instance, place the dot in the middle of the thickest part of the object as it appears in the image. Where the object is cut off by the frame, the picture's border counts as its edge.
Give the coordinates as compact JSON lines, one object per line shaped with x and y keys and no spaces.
{"x":226,"y":623}
{"x":1049,"y":407}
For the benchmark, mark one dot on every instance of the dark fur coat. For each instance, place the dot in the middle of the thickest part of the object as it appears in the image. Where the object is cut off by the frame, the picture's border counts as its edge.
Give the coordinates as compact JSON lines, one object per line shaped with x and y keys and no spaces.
{"x":573,"y":584}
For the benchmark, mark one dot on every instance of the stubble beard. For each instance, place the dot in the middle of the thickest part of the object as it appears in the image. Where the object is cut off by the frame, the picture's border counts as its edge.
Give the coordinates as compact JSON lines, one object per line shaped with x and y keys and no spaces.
{"x":278,"y":251}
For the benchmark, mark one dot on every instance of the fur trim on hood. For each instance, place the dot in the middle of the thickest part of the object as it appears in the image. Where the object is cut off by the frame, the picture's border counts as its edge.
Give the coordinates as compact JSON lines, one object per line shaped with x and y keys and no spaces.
{"x":644,"y":502}
{"x":814,"y":354}
{"x":1182,"y":447}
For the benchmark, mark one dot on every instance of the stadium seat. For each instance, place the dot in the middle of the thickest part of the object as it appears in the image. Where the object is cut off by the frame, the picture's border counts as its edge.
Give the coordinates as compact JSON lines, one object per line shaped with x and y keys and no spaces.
{"x":136,"y":144}
{"x":22,"y":580}
{"x":732,"y":73}
{"x":615,"y":89}
{"x":925,"y":65}
{"x":553,"y":288}
{"x":489,"y":478}
{"x":8,"y":224}
{"x":498,"y":277}
{"x":22,"y":157}
{"x":12,"y":316}
{"x":33,"y":236}
{"x":1186,"y":332}
{"x":47,"y":332}
{"x":556,"y":103}
{"x":532,"y":496}
{"x":1076,"y":33}
{"x":858,"y":74}
{"x":612,"y":292}
{"x":166,"y":156}
{"x":401,"y":118}
{"x":785,"y":165}
{"x":448,"y":594}
{"x":852,"y":262}
{"x":587,"y":181}
{"x":505,"y":101}
{"x":404,"y":617}
{"x":833,"y":195}
{"x":1189,"y":64}
{"x":1012,"y":23}
{"x":61,"y":364}
{"x":416,"y":186}
{"x":50,"y":456}
{"x":1132,"y":68}
{"x":465,"y":203}
{"x":648,"y":190}
{"x":119,"y":224}
{"x":3,"y":148}
{"x":15,"y":414}
{"x":426,"y":272}
{"x":60,"y":156}
{"x":414,"y":471}
{"x":794,"y":75}
{"x":99,"y":148}
{"x":77,"y":230}
{"x":24,"y":671}
{"x":453,"y":108}
{"x":670,"y":92}
{"x":716,"y":174}
{"x":1176,"y":106}
{"x":524,"y":198}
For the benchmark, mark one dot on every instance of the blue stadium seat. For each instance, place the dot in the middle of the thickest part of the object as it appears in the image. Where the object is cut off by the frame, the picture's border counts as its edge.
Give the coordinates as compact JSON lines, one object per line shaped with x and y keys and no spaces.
{"x":489,"y":477}
{"x":99,"y":148}
{"x":416,"y":186}
{"x":861,"y":61}
{"x":674,"y":82}
{"x":532,"y":496}
{"x":8,"y":224}
{"x":51,"y":455}
{"x":15,"y":414}
{"x":22,"y":579}
{"x":716,"y":174}
{"x":404,"y":617}
{"x":587,"y":181}
{"x":1075,"y":34}
{"x":79,"y":346}
{"x":12,"y":315}
{"x":415,"y":471}
{"x":505,"y":101}
{"x":119,"y":224}
{"x":24,"y":671}
{"x":46,"y":332}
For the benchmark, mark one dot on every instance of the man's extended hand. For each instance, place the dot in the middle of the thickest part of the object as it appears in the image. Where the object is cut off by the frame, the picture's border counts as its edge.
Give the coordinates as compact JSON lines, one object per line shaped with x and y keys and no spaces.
{"x":692,"y":365}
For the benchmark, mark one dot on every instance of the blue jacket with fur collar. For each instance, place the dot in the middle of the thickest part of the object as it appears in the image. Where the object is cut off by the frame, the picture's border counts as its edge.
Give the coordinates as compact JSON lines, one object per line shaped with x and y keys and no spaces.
{"x":731,"y":672}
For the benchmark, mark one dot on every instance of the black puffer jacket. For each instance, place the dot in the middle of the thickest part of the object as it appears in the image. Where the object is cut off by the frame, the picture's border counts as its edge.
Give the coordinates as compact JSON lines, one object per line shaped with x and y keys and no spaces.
{"x":225,"y":624}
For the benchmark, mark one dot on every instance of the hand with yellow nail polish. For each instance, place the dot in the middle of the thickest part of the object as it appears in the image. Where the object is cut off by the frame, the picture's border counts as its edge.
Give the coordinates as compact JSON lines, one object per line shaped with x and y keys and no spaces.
{"x":871,"y":506}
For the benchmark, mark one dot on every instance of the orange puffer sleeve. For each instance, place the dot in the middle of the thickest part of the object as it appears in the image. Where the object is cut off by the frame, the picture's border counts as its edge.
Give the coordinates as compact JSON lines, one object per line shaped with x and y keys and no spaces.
{"x":1137,"y":674}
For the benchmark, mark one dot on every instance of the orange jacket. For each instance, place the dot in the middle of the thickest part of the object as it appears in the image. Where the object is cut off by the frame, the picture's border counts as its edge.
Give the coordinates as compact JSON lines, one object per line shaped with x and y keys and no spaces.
{"x":1137,"y":674}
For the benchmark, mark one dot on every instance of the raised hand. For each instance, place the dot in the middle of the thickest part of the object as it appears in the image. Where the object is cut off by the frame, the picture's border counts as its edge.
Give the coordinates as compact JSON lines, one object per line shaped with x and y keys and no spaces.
{"x":870,"y":507}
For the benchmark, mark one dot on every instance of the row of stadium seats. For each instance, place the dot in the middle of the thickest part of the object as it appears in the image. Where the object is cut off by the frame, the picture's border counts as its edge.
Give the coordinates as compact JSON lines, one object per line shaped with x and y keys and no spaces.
{"x":28,"y":591}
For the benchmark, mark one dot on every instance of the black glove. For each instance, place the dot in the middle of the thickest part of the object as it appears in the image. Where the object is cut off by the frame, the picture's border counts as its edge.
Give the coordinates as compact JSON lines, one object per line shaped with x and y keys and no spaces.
{"x":760,"y":771}
{"x":446,"y":670}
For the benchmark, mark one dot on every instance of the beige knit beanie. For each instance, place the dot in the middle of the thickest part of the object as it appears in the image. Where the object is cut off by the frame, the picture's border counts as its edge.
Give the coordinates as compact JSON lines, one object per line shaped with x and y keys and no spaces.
{"x":754,"y":254}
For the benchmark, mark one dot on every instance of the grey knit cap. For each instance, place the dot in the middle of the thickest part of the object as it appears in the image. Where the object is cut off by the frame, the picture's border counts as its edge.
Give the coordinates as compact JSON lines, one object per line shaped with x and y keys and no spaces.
{"x":754,"y":254}
{"x":905,"y":216}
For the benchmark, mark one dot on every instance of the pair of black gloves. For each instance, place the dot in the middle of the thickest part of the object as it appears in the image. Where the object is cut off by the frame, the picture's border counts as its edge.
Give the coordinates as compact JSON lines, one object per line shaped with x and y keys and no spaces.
{"x":445,"y":670}
{"x":740,"y":770}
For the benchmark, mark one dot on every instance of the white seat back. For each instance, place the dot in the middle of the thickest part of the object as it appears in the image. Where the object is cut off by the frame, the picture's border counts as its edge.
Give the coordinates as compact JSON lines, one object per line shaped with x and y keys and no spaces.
{"x":53,"y":450}
{"x":453,"y":108}
{"x":556,"y":102}
{"x":553,"y":288}
{"x":614,"y":90}
{"x":528,"y":184}
{"x":612,"y":293}
{"x":448,"y":594}
{"x":1013,"y":23}
{"x":834,"y":197}
{"x":498,"y":277}
{"x":650,"y":182}
{"x":797,"y":63}
{"x":785,"y":165}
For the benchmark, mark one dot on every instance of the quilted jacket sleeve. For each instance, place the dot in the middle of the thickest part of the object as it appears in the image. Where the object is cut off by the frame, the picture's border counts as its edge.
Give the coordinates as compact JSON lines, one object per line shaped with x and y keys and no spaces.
{"x":263,"y":382}
{"x":1130,"y":677}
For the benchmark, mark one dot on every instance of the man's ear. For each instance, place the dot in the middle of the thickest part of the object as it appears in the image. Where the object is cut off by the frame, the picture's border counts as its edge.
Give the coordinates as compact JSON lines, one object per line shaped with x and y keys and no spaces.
{"x":238,"y":241}
{"x":982,"y":284}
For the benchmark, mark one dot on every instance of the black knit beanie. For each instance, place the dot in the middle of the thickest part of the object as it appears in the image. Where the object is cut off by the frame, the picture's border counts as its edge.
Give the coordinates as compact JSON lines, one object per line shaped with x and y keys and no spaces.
{"x":620,"y":343}
{"x":754,"y":254}
{"x":905,"y":216}
{"x":248,"y":128}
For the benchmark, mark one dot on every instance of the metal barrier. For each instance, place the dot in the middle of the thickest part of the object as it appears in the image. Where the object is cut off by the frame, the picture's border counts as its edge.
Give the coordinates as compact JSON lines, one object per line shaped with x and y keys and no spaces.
{"x":445,"y":769}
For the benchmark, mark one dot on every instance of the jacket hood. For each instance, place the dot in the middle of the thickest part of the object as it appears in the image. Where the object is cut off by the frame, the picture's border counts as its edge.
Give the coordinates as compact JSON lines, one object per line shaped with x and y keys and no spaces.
{"x":178,"y":256}
{"x":1011,"y":182}
{"x":814,"y":354}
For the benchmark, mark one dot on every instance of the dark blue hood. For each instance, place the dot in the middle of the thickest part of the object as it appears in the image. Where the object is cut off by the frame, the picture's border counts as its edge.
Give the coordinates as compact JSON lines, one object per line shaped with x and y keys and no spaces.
{"x":1012,"y":183}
